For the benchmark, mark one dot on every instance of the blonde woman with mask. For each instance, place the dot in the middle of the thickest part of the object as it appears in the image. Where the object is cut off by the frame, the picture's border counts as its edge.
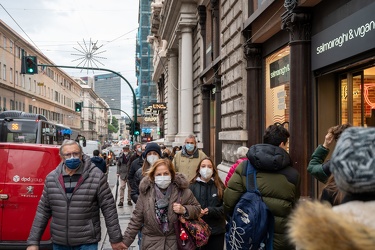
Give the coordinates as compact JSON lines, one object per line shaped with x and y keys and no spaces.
{"x":164,"y":196}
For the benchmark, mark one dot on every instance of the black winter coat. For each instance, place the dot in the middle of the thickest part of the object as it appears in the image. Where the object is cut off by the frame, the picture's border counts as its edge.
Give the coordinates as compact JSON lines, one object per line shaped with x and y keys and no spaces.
{"x":207,"y":196}
{"x":136,"y":164}
{"x":100,"y":163}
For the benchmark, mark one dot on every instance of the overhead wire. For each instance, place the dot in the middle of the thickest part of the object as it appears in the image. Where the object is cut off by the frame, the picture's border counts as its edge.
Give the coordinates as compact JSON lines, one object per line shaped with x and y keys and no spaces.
{"x":36,"y":46}
{"x":20,"y":27}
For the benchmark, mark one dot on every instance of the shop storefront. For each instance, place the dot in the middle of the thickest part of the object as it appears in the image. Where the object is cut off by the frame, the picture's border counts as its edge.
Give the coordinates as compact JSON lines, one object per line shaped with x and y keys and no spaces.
{"x":342,"y":61}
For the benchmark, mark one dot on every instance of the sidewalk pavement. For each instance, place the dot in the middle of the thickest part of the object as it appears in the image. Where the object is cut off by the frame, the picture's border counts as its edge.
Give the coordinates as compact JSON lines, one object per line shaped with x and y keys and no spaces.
{"x":124,"y":214}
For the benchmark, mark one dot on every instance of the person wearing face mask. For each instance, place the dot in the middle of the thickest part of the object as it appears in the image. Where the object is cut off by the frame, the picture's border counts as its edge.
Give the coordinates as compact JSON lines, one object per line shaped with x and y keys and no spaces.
{"x":152,"y":153}
{"x":187,"y":159}
{"x":208,"y":188}
{"x":123,"y":172}
{"x":164,"y":196}
{"x":73,"y":195}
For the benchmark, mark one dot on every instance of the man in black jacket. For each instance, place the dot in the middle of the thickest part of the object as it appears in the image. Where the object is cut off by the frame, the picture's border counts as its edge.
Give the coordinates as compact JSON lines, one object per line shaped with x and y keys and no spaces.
{"x":135,"y":165}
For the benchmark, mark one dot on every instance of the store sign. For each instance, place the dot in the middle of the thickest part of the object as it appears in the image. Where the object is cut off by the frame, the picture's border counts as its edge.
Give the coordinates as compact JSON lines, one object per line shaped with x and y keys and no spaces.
{"x":151,"y":115}
{"x":353,"y":35}
{"x":159,"y":106}
{"x":280,"y":72}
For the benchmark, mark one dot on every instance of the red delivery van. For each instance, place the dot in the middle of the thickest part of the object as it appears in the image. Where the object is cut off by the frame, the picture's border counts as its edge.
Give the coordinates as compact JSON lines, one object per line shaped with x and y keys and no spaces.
{"x":23,"y":169}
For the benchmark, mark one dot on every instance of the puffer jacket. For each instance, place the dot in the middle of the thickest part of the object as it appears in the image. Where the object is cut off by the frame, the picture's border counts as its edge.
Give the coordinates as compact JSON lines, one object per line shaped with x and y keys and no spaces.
{"x":76,"y":221}
{"x":316,"y":226}
{"x":277,"y":181}
{"x":135,"y":166}
{"x":100,"y":163}
{"x":206,"y":194}
{"x":232,"y":169}
{"x":144,"y":214}
{"x":138,"y":176}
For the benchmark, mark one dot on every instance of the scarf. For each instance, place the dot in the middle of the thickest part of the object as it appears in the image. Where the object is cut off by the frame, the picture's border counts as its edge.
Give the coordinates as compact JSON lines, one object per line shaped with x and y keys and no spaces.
{"x":161,"y":207}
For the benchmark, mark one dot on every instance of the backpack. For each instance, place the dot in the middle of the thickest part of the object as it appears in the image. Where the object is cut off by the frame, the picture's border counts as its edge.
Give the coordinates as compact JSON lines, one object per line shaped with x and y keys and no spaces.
{"x":252,"y":223}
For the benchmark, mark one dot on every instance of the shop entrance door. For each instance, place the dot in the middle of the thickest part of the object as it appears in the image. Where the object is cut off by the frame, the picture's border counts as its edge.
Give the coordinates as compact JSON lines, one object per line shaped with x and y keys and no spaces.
{"x":357,"y":98}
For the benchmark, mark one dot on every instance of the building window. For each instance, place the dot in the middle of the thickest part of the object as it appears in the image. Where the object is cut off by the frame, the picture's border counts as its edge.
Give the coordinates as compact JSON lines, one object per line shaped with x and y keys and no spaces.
{"x":10,"y":75}
{"x":4,"y":103}
{"x":11,"y":46}
{"x":17,"y":52}
{"x":4,"y":72}
{"x":277,"y":87}
{"x":23,"y":81}
{"x":357,"y":97}
{"x":16,"y":80}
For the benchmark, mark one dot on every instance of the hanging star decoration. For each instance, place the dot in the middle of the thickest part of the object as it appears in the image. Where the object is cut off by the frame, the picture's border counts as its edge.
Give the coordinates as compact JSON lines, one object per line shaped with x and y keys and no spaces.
{"x":88,"y":55}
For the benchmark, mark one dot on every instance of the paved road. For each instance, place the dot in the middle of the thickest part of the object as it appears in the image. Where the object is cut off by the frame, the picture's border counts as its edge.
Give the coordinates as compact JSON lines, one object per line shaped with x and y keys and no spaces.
{"x":124,"y":214}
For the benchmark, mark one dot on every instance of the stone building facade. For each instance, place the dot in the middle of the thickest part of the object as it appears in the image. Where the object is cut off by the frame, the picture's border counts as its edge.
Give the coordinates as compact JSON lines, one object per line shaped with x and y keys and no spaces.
{"x":228,"y":69}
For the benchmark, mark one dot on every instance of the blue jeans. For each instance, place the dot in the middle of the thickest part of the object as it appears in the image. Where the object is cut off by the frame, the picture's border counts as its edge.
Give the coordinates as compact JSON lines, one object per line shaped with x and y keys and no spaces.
{"x":93,"y":246}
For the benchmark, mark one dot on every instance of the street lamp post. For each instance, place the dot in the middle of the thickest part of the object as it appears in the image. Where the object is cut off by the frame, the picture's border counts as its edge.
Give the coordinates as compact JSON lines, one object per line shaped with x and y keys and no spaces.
{"x":90,"y":68}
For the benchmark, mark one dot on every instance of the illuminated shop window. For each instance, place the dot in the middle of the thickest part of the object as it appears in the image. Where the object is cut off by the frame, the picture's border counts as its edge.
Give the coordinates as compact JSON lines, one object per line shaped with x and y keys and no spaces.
{"x":357,"y":102}
{"x":277,"y":87}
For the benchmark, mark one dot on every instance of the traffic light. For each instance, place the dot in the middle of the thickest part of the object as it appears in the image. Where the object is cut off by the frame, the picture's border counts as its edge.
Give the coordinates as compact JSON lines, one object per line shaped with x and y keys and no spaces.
{"x":78,"y":106}
{"x":137,"y":128}
{"x":129,"y":127}
{"x":29,"y":65}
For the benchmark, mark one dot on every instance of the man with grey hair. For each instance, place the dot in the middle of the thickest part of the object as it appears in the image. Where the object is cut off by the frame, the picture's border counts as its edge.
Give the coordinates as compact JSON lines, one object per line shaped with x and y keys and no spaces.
{"x":73,"y":194}
{"x":187,"y":159}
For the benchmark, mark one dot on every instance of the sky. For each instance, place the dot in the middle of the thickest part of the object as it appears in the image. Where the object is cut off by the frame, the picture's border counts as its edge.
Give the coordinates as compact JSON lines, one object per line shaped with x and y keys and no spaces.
{"x":62,"y":31}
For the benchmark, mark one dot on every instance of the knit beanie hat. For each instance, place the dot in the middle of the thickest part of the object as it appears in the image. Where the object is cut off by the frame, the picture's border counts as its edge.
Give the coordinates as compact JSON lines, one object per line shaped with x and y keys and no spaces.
{"x":353,"y":161}
{"x":152,"y":146}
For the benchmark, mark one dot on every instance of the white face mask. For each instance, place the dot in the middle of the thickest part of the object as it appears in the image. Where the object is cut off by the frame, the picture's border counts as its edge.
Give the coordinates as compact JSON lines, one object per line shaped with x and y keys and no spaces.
{"x":206,"y":173}
{"x":152,"y":158}
{"x":163,"y":181}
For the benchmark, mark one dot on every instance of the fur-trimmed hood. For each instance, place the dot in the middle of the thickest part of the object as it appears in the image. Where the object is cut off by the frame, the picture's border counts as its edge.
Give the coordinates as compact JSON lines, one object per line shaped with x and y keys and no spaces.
{"x":315,"y":226}
{"x":179,"y":181}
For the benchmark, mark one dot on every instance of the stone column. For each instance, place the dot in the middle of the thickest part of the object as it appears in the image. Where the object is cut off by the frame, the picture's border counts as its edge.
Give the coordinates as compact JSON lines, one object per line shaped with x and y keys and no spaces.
{"x":172,"y":103}
{"x":297,"y":22}
{"x":206,"y":90}
{"x":185,"y":109}
{"x":253,"y":55}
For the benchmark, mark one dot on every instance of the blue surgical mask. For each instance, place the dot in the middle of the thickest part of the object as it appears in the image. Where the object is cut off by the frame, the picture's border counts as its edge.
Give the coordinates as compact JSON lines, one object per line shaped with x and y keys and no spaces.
{"x":73,"y":163}
{"x":189,"y":147}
